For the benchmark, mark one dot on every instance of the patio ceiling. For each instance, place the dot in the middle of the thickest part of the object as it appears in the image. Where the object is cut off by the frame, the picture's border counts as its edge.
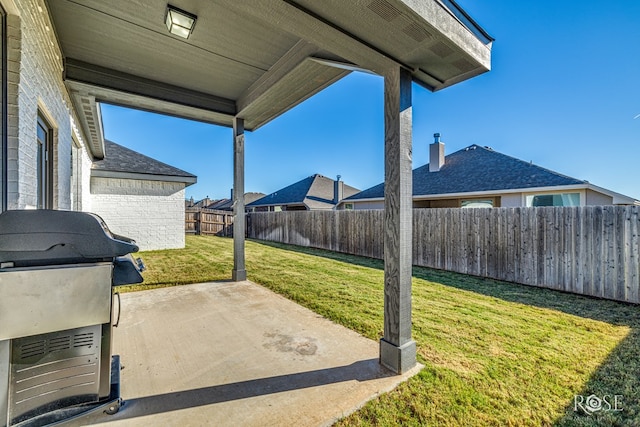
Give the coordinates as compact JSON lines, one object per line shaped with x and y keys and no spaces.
{"x":252,"y":59}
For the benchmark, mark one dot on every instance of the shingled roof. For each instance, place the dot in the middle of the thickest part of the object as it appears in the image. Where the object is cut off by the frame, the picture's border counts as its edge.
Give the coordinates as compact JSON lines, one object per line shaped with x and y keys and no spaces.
{"x":475,"y":169}
{"x":227,"y":204}
{"x":315,"y":192}
{"x":123,"y":162}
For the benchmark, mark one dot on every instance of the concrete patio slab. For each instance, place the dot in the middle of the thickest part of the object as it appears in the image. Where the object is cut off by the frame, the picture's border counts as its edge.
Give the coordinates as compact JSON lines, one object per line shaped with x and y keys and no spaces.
{"x":237,"y":354}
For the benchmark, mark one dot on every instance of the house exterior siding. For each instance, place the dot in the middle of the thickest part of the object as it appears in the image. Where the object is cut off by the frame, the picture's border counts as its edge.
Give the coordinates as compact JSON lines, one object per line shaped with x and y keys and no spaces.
{"x":594,"y":199}
{"x":511,"y":200}
{"x":150,"y":212}
{"x":366,"y":205}
{"x":588,"y":197}
{"x":35,"y":84}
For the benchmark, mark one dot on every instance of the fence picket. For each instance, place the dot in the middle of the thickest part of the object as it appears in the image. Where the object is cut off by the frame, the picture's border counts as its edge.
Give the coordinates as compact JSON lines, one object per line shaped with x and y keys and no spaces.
{"x":589,"y":250}
{"x":208,"y":222}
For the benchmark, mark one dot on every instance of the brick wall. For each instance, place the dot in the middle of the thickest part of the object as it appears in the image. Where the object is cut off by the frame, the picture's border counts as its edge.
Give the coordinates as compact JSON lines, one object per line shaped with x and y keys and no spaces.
{"x":35,"y":83}
{"x":81,"y":174}
{"x":150,"y":212}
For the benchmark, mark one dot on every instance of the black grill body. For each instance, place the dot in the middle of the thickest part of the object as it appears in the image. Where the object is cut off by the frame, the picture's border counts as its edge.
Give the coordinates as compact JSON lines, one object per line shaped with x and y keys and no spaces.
{"x":58,"y":270}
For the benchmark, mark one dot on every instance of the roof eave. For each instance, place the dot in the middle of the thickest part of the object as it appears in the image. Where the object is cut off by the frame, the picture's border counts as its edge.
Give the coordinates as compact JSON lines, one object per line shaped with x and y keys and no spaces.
{"x":188,"y":180}
{"x":617,"y":197}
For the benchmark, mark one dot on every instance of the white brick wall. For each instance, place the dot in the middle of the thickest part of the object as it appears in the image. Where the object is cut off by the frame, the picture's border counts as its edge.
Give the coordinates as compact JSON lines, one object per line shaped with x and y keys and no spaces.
{"x":81,"y":175}
{"x":150,"y":212}
{"x":35,"y":81}
{"x":85,"y":182}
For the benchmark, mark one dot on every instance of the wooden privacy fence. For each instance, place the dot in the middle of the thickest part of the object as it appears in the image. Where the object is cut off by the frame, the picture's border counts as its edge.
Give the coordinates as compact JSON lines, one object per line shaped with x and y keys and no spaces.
{"x":591,"y":250}
{"x":208,"y":222}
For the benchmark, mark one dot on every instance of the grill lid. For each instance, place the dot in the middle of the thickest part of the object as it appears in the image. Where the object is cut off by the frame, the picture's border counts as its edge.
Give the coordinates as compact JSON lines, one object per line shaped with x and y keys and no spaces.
{"x":40,"y":237}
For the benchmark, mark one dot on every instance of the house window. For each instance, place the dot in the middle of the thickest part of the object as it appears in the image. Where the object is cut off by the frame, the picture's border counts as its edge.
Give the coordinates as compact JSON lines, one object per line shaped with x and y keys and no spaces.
{"x":44,"y":162}
{"x":558,"y":199}
{"x":348,"y":206}
{"x":477,"y":203}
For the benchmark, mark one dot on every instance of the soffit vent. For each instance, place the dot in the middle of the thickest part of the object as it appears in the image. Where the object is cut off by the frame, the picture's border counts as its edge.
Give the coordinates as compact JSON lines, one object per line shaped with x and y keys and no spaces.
{"x":441,"y":49}
{"x":463,"y":65}
{"x":384,"y":9}
{"x":416,"y":32}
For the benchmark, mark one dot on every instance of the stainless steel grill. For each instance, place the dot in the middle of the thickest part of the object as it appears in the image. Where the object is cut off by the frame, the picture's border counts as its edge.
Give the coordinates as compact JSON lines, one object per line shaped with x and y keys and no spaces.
{"x":57,"y":275}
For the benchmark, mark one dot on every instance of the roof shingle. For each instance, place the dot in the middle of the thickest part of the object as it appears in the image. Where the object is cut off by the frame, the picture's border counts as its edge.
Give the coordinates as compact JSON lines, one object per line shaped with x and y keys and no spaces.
{"x":315,"y":191}
{"x":477,"y":168}
{"x":121,"y":159}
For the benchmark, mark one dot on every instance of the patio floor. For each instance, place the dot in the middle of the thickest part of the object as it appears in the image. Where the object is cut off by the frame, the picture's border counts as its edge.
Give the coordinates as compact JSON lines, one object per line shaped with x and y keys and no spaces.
{"x":237,"y":354}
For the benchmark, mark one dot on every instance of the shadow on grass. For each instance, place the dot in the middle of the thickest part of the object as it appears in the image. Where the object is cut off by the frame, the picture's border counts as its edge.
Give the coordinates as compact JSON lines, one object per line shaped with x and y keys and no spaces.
{"x":612,"y":395}
{"x":618,"y":375}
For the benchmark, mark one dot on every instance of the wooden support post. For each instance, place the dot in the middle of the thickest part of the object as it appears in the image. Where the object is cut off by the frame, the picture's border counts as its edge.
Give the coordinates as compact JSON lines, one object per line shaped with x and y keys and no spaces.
{"x":397,"y":349}
{"x":239,"y":271}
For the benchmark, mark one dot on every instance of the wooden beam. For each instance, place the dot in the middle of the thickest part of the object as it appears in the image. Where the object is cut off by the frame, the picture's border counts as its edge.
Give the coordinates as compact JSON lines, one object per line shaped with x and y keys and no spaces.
{"x":95,"y":75}
{"x":289,"y":91}
{"x":239,"y":271}
{"x":290,"y":60}
{"x":397,"y":349}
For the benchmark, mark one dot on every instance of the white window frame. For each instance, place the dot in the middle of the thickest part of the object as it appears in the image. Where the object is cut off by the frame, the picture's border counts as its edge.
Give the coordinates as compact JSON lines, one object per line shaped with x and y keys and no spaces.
{"x":44,"y":163}
{"x":581,"y":193}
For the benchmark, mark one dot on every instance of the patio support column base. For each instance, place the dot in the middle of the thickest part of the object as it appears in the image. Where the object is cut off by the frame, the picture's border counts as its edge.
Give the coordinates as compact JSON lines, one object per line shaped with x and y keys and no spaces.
{"x":239,"y":272}
{"x":399,"y":359}
{"x":239,"y":275}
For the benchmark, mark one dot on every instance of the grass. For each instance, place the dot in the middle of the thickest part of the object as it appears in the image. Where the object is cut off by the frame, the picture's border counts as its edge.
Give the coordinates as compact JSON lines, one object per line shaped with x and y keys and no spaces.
{"x":495,"y":353}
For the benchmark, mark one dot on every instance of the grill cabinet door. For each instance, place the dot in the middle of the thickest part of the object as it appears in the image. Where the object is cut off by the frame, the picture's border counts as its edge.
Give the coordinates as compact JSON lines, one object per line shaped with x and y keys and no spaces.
{"x":52,"y":371}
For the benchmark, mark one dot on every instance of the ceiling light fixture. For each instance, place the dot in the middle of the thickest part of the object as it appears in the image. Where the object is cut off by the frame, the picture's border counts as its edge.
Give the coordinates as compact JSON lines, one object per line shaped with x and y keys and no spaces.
{"x":179,"y":22}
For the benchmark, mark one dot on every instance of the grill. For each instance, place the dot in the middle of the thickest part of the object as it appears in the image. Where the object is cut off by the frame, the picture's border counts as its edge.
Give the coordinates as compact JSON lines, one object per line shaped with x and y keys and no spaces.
{"x":58,"y":271}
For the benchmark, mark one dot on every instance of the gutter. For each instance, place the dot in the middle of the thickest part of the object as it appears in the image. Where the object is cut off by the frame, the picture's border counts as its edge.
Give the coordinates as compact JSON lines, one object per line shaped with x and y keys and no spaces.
{"x":466,"y":21}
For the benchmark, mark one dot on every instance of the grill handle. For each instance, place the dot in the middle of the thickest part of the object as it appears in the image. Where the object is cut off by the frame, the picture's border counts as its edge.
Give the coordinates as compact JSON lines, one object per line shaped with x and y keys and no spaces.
{"x":115,"y":325}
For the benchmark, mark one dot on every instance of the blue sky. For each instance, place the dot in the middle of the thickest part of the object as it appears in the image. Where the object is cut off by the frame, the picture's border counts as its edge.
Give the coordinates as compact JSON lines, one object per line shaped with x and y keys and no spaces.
{"x":563,"y":92}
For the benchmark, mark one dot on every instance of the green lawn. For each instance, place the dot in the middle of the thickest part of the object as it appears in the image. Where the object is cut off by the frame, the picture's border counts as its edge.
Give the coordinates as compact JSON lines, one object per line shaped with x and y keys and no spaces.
{"x":495,"y":354}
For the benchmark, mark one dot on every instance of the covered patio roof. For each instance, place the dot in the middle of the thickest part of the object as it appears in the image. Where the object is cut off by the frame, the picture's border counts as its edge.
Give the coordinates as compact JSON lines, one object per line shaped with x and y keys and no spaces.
{"x":247,"y":62}
{"x":252,"y":59}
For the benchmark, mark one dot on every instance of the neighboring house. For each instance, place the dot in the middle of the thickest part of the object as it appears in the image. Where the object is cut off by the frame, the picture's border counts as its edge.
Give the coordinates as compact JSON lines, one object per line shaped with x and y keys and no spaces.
{"x":140,"y":197}
{"x":227,"y":204}
{"x":199,"y":204}
{"x":220,"y":204}
{"x":481,"y":177}
{"x":316,"y":192}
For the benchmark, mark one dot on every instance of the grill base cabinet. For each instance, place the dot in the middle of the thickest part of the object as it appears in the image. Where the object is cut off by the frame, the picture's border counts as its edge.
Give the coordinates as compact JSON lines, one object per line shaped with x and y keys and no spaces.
{"x":56,"y":362}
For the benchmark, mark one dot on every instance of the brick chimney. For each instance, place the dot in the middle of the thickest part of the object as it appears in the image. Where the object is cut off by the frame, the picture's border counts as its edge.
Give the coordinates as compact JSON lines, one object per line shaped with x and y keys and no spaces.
{"x":436,"y":154}
{"x":338,"y":190}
